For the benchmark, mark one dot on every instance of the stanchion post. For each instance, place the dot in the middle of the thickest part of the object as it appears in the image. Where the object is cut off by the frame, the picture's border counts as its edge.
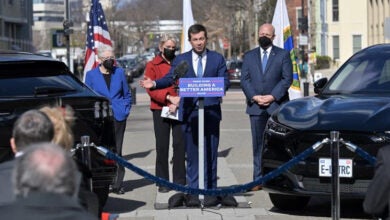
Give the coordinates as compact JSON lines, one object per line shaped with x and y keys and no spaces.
{"x":305,"y":88}
{"x":86,"y":156}
{"x":334,"y":145}
{"x":201,"y":145}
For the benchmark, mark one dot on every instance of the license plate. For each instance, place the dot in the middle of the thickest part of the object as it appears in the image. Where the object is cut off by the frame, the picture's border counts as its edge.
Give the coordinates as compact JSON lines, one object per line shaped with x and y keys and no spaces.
{"x":325,"y":167}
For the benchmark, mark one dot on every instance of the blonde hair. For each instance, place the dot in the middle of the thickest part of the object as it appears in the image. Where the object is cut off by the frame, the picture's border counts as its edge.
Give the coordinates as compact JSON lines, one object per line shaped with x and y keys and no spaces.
{"x":62,"y":119}
{"x":166,"y":37}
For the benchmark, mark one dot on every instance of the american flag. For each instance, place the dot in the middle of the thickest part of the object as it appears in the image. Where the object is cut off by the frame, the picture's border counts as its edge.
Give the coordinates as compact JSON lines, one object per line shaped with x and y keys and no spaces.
{"x":97,"y":34}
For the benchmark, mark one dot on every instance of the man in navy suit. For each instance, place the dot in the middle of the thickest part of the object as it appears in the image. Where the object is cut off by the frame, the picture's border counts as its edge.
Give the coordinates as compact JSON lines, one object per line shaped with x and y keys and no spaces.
{"x":110,"y":81}
{"x":266,"y":76}
{"x":202,"y":63}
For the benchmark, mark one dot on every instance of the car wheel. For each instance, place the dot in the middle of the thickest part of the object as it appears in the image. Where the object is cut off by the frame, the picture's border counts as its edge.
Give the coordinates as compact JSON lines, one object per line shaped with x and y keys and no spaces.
{"x":289,"y":203}
{"x":102,"y":194}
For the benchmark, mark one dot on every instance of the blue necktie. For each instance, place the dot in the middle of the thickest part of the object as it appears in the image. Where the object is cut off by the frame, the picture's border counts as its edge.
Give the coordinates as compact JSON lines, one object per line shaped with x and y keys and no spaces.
{"x":199,"y":71}
{"x":265,"y":60}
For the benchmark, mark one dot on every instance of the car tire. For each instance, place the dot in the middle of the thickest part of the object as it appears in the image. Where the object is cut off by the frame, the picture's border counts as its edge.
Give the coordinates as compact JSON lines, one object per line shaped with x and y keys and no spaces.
{"x":289,"y":203}
{"x":102,"y":194}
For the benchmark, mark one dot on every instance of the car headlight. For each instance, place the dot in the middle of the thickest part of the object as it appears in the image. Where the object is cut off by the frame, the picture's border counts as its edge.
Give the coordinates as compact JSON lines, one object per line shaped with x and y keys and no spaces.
{"x":105,"y":109}
{"x":97,"y":109}
{"x":102,"y":109}
{"x":277,"y":128}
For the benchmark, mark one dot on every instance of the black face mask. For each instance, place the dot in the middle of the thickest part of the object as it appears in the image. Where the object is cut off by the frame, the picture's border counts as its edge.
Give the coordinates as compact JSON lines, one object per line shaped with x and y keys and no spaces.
{"x":169,"y":54}
{"x":265,"y":42}
{"x":109,"y":64}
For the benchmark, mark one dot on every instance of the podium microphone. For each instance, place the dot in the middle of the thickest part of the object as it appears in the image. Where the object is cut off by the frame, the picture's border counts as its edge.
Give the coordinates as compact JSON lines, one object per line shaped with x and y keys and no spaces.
{"x":180,"y":70}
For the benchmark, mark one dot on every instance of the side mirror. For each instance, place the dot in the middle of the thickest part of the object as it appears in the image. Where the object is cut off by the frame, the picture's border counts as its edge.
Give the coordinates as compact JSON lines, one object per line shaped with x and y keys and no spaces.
{"x":319,"y":85}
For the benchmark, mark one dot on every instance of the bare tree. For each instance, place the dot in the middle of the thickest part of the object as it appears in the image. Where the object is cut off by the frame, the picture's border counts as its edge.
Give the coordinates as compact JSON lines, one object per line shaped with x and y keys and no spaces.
{"x":231,"y":20}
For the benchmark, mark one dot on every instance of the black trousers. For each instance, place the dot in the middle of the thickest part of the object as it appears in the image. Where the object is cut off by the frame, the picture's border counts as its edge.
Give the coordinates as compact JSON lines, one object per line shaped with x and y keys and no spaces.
{"x":120,"y":127}
{"x":162,"y":130}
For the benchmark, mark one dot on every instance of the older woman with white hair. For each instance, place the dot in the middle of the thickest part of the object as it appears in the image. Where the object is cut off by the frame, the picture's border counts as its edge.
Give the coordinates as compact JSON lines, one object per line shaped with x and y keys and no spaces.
{"x":110,"y":81}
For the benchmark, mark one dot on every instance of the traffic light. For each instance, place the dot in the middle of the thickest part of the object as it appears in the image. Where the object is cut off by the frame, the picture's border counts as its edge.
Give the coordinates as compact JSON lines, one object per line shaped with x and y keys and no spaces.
{"x":303,"y":24}
{"x":67,"y":27}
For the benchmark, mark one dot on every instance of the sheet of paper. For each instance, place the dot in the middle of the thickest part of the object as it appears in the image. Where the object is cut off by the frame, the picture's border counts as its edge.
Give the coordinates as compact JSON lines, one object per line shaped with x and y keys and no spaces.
{"x":166,"y":114}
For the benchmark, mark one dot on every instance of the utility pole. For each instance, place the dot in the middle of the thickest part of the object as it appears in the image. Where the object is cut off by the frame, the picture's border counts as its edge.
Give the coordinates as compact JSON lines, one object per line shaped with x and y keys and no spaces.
{"x":303,"y":26}
{"x":67,"y":31}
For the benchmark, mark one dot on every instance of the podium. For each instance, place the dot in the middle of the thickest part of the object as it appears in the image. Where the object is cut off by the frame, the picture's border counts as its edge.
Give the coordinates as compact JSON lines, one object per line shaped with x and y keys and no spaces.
{"x":201,"y":88}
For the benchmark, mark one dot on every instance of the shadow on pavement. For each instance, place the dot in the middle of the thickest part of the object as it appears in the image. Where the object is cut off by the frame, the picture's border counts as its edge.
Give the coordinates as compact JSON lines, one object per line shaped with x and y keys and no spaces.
{"x":137,"y":155}
{"x":118,"y":205}
{"x":130,"y":185}
{"x":224,"y":153}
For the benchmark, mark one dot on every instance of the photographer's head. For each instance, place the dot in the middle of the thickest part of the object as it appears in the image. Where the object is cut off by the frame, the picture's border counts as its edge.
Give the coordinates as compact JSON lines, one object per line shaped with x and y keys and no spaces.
{"x":31,"y":127}
{"x":45,"y":168}
{"x":63,"y":119}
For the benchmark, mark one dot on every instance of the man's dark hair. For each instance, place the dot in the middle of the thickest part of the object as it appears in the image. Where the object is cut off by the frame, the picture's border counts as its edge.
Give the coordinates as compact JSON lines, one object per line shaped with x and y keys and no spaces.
{"x":32,"y":127}
{"x":196,"y":28}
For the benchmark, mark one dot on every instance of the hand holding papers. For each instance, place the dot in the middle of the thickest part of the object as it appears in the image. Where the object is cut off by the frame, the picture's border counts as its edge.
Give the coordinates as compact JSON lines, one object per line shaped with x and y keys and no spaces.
{"x":166,"y":113}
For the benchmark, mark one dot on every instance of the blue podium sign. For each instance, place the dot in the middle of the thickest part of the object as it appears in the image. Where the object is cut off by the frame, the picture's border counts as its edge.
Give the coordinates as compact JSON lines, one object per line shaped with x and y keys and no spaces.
{"x":202,"y":87}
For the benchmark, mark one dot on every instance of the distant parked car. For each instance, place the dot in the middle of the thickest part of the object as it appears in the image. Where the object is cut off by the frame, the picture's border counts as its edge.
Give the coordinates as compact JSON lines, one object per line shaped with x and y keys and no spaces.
{"x":148,"y":56}
{"x":355,"y":102}
{"x":234,"y":70}
{"x":136,"y":64}
{"x":128,"y":71}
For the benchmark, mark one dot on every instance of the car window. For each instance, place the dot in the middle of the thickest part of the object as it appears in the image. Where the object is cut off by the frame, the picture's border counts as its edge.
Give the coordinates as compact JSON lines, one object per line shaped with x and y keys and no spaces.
{"x":29,"y":86}
{"x":235,"y":65}
{"x":385,"y":75}
{"x":363,"y":75}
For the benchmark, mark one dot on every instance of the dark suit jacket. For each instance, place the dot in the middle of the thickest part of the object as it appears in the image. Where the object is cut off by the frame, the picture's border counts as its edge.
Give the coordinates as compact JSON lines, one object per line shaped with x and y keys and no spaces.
{"x":45,"y":206}
{"x":275,"y":81}
{"x":6,"y":186}
{"x":215,"y":67}
{"x":119,"y":93}
{"x":377,"y":198}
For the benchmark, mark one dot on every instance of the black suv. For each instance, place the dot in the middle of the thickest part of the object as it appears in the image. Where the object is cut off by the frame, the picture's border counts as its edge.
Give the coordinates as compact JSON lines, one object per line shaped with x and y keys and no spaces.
{"x":30,"y":81}
{"x":355,"y":102}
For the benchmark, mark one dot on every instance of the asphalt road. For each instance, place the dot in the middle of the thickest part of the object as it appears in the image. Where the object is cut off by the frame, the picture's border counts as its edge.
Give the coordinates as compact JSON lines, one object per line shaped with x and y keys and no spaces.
{"x":235,"y":154}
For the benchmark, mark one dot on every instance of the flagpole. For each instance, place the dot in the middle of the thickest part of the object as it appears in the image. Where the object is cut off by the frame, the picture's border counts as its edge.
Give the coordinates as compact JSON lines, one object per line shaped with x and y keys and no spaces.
{"x":67,"y":38}
{"x":284,"y":39}
{"x":188,"y":20}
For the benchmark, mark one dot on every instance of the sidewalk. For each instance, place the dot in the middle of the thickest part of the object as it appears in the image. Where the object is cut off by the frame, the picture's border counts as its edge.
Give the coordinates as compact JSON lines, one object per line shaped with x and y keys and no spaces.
{"x":234,"y":167}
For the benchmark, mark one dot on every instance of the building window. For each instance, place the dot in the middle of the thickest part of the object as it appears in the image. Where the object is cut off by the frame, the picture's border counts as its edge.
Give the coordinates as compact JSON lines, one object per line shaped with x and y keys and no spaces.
{"x":335,"y":10}
{"x":356,"y":43}
{"x":299,"y":15}
{"x":336,"y":47}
